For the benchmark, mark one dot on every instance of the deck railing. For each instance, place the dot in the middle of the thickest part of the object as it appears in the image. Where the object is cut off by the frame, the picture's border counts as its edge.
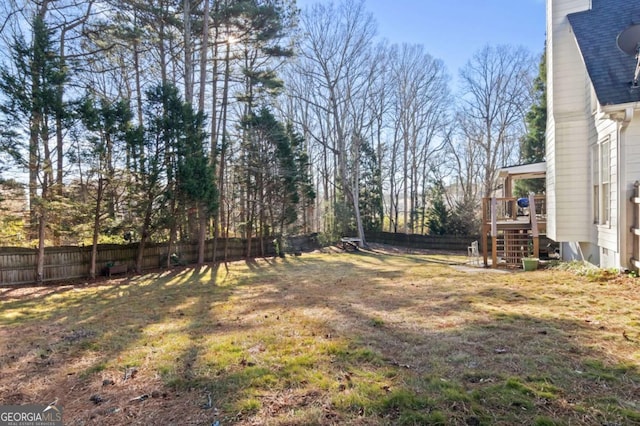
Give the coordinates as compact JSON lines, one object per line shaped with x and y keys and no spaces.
{"x":507,"y":209}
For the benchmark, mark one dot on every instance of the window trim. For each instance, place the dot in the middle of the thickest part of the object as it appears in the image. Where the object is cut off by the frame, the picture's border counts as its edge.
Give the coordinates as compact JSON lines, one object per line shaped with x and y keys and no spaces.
{"x":601,"y":182}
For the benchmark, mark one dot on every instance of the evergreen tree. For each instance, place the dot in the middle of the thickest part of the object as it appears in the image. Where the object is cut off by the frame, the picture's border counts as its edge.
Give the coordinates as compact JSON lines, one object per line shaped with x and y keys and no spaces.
{"x":304,"y":182}
{"x":259,"y":27}
{"x":276,"y":172}
{"x":463,"y":219}
{"x":155,"y":171}
{"x":176,"y":172}
{"x":107,"y":126}
{"x":195,"y":174}
{"x":532,"y":145}
{"x":370,"y":192}
{"x":31,"y":105}
{"x":438,"y":214}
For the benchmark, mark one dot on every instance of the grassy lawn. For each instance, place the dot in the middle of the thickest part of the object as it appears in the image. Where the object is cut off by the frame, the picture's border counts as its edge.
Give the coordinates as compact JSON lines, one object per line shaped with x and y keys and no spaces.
{"x":333,"y":338}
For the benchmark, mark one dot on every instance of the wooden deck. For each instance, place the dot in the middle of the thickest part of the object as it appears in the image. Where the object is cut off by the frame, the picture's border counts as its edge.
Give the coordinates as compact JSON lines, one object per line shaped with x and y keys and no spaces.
{"x":514,"y":231}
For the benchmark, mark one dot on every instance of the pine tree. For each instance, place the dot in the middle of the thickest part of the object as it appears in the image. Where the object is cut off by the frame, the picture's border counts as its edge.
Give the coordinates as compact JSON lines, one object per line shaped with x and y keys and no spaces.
{"x":438,"y":214}
{"x":370,"y":192}
{"x":155,"y":174}
{"x":107,"y":126}
{"x":304,"y":181}
{"x":195,"y":174}
{"x":275,"y":176}
{"x":260,"y":27}
{"x":31,"y":105}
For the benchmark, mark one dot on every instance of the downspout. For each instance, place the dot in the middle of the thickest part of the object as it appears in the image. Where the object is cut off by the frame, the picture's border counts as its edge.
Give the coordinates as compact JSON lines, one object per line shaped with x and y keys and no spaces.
{"x":624,"y":227}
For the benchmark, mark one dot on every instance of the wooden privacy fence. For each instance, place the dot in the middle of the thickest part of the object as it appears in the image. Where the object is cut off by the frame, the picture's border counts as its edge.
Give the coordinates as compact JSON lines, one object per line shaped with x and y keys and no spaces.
{"x":18,"y":265}
{"x":432,"y":242}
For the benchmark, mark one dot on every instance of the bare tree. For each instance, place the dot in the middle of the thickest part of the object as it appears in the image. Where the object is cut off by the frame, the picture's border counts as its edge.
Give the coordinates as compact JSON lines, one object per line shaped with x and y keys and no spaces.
{"x":464,"y":162}
{"x":336,"y":58}
{"x":421,"y":100}
{"x":496,"y":94}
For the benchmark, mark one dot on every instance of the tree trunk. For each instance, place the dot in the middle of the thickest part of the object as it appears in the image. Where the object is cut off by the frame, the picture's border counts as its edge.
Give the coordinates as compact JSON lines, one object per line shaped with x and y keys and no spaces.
{"x":136,"y":72}
{"x":172,"y":231}
{"x":204,"y":49}
{"x":96,"y":230}
{"x":144,"y":235}
{"x":162,"y":49}
{"x":203,"y":218}
{"x":405,"y":184}
{"x":188,"y":56}
{"x":59,"y":139}
{"x":42,"y":229}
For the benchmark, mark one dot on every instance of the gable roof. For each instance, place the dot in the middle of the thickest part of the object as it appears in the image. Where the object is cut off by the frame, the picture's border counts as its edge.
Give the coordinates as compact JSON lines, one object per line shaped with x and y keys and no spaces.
{"x":610,"y":69}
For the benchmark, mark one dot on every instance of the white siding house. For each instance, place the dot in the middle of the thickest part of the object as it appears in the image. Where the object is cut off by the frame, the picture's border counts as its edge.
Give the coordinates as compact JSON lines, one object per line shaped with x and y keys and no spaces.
{"x":593,"y":131}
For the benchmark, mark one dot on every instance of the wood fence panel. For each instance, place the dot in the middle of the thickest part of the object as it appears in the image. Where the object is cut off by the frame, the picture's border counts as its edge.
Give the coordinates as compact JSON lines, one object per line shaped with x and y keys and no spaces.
{"x":19,"y":268}
{"x":18,"y":265}
{"x":433,"y":242}
{"x":65,"y":262}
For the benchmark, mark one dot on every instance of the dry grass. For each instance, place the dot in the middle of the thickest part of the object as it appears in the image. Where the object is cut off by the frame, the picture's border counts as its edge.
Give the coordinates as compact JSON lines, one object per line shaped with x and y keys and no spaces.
{"x":360,"y":338}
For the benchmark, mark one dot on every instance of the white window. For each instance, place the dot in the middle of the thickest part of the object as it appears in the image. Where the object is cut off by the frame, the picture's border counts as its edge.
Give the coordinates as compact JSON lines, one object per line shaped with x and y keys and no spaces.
{"x":601,"y":181}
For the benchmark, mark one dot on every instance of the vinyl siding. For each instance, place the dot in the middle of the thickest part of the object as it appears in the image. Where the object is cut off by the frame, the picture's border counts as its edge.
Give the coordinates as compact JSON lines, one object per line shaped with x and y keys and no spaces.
{"x":576,"y":125}
{"x":568,"y":130}
{"x":632,"y":150}
{"x":550,"y":155}
{"x":572,"y":213}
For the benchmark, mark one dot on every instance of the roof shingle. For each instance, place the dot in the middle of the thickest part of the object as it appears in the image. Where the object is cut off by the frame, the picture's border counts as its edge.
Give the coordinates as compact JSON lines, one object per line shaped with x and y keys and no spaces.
{"x":596,"y":30}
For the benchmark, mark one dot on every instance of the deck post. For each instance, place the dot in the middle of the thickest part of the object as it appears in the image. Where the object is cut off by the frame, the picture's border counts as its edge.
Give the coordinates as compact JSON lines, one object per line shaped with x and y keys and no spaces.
{"x":484,"y":231}
{"x":494,"y":233}
{"x":535,"y":233}
{"x":485,"y":247}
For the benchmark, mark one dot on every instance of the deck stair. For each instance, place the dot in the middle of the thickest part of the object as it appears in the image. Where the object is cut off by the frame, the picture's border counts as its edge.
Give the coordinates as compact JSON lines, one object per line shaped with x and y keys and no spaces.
{"x":513,"y":245}
{"x":514,"y":231}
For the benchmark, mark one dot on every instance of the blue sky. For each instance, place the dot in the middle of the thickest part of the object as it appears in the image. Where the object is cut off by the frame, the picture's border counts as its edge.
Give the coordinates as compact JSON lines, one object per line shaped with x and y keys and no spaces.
{"x":453,"y":30}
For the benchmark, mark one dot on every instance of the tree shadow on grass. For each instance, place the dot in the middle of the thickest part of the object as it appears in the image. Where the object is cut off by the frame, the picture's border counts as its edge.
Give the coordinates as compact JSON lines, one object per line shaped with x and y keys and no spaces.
{"x":71,"y":333}
{"x":468,"y":363}
{"x":330,"y":339}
